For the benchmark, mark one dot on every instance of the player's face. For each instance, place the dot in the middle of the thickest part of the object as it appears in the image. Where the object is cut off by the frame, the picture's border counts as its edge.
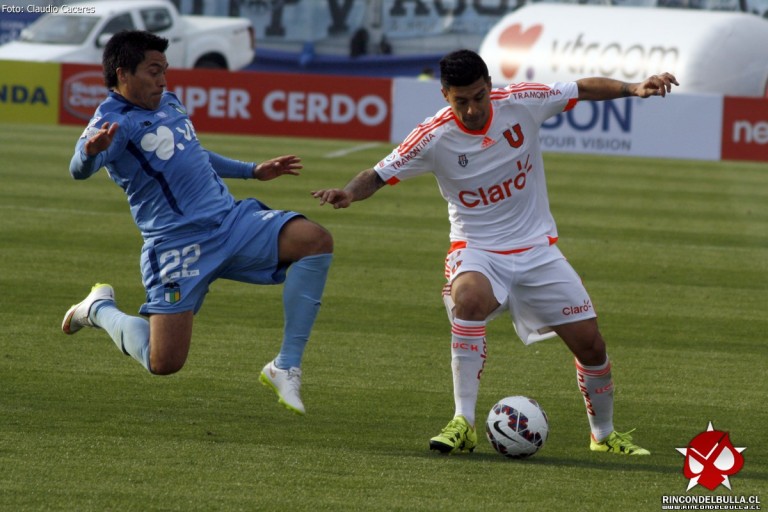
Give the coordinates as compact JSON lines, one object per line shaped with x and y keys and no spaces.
{"x":145,"y":87}
{"x":471,"y":104}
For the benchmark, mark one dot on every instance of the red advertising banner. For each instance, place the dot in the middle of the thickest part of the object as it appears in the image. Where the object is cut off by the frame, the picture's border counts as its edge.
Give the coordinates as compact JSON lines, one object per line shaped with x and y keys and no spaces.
{"x":82,"y":89}
{"x":255,"y":103}
{"x":745,"y":129}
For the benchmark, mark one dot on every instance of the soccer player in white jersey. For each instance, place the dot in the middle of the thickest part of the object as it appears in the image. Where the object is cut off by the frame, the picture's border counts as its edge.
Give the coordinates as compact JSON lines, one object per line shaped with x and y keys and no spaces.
{"x":484,"y":151}
{"x":194,"y":231}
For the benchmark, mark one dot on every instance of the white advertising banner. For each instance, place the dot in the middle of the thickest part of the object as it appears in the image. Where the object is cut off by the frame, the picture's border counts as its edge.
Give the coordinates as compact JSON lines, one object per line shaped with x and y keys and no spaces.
{"x":413,"y":101}
{"x":677,"y":126}
{"x":681,"y":126}
{"x":708,"y":51}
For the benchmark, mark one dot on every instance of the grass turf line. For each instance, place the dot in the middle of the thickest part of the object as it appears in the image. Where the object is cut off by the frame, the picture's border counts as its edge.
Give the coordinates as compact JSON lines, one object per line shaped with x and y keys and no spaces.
{"x":674,"y":254}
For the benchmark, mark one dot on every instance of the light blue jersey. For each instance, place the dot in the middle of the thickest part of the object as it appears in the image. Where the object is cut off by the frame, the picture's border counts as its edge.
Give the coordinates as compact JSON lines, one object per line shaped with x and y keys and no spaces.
{"x":194,"y":231}
{"x":173,"y":184}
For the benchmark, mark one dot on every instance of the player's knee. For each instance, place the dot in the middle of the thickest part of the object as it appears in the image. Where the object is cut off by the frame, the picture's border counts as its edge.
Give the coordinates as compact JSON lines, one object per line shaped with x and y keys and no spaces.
{"x":472,"y":306}
{"x":323,"y":241}
{"x":301,"y":238}
{"x":591,"y":350}
{"x":165,"y":365}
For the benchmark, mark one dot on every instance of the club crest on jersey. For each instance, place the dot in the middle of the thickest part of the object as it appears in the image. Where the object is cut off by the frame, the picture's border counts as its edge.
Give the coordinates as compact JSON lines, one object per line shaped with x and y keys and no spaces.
{"x":463,"y":160}
{"x":172,"y":293}
{"x":178,"y":108}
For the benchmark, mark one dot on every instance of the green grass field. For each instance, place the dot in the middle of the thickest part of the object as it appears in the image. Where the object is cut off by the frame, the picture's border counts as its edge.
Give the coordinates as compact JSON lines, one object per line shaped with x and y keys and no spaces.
{"x":674,"y":254}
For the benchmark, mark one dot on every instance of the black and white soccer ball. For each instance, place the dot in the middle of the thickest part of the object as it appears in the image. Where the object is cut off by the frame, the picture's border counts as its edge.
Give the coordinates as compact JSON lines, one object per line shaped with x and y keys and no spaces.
{"x":517,"y":427}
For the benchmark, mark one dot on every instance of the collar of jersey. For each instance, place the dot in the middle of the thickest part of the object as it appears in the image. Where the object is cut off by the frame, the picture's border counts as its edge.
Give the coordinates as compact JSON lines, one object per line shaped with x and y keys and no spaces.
{"x":481,"y":131}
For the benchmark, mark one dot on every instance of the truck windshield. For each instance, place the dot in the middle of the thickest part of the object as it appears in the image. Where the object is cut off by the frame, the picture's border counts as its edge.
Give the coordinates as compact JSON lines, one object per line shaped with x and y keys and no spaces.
{"x":68,"y":29}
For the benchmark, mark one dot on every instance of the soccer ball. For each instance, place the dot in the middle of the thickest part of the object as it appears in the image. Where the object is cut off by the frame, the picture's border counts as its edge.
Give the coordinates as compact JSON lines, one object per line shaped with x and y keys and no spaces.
{"x":517,"y":427}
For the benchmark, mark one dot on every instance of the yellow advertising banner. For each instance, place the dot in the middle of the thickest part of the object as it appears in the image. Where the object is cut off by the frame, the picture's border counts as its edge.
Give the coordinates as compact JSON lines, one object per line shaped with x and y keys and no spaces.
{"x":29,"y":92}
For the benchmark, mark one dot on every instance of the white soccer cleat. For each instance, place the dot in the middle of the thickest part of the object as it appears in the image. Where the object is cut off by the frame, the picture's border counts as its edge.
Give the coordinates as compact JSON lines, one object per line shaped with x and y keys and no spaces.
{"x":286,"y":383}
{"x":77,"y":316}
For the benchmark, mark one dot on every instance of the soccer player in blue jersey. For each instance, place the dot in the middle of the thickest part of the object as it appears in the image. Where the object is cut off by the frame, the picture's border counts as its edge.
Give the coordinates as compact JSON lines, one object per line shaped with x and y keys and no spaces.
{"x":194,"y":231}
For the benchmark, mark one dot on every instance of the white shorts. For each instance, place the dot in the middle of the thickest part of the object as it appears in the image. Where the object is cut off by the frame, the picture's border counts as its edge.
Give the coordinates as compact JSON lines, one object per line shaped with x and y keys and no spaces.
{"x":538,"y":288}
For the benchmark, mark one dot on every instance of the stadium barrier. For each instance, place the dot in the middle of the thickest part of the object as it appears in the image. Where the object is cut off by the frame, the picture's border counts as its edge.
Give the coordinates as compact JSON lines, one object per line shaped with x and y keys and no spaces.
{"x":684,"y":126}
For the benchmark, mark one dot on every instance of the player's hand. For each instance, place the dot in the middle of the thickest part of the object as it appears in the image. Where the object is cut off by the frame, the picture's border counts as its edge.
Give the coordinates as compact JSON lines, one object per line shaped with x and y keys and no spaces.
{"x":276,"y":167}
{"x":101,"y":140}
{"x":656,"y":85}
{"x":334,"y":196}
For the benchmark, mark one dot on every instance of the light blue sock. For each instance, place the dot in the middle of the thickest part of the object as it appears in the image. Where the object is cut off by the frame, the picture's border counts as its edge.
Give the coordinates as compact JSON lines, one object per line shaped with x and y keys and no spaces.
{"x":302,"y":292}
{"x":130,"y":333}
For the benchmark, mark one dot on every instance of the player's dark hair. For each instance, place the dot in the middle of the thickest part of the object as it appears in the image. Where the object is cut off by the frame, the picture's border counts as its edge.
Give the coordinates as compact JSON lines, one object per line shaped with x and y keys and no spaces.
{"x":462,"y":67}
{"x":126,"y":50}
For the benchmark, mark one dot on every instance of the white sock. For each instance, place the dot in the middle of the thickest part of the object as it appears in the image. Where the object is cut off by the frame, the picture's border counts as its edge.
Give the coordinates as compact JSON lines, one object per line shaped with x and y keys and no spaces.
{"x":129,"y":333}
{"x":596,"y":384}
{"x":468,"y":353}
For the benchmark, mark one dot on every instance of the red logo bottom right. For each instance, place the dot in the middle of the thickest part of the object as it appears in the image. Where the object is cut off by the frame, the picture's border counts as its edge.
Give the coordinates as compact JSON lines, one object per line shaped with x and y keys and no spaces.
{"x":710,"y":458}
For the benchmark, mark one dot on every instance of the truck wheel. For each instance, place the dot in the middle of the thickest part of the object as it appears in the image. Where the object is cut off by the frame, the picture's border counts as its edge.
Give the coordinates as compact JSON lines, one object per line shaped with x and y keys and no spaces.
{"x":211,"y":62}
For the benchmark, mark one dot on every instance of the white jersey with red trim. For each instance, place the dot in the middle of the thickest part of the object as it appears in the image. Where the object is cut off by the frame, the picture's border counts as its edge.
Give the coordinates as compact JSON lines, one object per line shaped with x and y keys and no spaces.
{"x":493,"y":179}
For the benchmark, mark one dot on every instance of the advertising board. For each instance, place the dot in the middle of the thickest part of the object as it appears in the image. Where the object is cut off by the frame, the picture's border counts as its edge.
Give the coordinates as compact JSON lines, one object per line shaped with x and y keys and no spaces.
{"x":745,"y":129}
{"x":684,"y":126}
{"x":708,"y":51}
{"x":677,"y":126}
{"x":29,"y":93}
{"x":256,"y":103}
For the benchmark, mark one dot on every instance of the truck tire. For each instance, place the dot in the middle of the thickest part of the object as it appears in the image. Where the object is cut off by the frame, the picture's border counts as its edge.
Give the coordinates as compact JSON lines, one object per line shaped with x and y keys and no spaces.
{"x":211,"y":61}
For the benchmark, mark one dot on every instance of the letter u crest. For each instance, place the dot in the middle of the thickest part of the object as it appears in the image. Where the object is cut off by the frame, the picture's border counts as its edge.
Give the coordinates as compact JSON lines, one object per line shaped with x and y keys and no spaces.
{"x":517,"y":140}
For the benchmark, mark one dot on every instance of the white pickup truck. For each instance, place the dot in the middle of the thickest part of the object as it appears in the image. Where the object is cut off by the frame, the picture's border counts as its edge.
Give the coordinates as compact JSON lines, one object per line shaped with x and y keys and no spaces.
{"x":78,"y":32}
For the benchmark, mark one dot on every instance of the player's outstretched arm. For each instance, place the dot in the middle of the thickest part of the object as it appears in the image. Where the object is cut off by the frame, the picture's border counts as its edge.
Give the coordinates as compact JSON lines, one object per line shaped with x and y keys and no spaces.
{"x":101,"y":140}
{"x":656,"y":85}
{"x":362,"y":186}
{"x":87,"y":158}
{"x":598,"y":88}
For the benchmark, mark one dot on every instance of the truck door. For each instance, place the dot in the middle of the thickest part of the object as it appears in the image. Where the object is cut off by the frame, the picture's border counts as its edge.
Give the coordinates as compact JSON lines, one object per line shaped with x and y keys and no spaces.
{"x":161,"y":22}
{"x":117,"y":24}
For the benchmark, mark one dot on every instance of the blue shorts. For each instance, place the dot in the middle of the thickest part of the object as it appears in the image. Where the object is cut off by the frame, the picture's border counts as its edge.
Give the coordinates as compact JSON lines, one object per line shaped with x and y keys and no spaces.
{"x":177,"y":272}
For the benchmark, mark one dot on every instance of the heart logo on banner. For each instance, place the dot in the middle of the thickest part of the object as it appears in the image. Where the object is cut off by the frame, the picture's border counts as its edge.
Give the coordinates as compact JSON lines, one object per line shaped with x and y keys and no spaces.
{"x":515,"y":43}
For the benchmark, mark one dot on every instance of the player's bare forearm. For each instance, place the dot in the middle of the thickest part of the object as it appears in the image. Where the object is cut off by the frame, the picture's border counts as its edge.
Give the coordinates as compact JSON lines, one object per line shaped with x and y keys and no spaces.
{"x":598,"y":88}
{"x":362,"y":186}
